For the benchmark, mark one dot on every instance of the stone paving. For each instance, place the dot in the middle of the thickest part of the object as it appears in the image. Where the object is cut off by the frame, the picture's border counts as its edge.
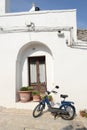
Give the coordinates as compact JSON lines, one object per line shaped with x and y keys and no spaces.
{"x":19,"y":119}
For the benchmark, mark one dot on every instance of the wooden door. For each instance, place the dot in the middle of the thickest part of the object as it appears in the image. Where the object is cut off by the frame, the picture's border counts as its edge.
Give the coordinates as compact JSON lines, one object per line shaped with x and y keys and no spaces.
{"x":37,"y":73}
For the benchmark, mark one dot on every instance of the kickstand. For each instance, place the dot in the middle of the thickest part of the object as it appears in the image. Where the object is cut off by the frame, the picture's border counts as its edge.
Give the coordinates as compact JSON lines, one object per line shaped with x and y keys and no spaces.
{"x":55,"y":116}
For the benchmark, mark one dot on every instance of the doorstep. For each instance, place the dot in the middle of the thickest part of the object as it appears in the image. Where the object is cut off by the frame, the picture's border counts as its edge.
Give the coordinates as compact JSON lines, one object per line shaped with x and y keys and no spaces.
{"x":19,"y":105}
{"x":27,"y":105}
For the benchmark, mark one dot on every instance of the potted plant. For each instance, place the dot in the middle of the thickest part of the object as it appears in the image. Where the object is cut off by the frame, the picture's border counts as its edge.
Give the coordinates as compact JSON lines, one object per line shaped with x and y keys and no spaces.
{"x":82,"y":113}
{"x":36,"y":96}
{"x":50,"y":97}
{"x":25,"y":94}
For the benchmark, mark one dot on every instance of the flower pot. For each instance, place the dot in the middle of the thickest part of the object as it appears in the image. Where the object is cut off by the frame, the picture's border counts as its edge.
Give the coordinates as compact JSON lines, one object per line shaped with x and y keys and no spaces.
{"x":82,"y":113}
{"x":25,"y":96}
{"x":36,"y":98}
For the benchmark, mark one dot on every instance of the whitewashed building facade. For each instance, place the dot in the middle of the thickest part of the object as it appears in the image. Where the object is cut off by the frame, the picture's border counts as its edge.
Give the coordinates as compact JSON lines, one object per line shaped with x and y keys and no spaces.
{"x":41,"y":47}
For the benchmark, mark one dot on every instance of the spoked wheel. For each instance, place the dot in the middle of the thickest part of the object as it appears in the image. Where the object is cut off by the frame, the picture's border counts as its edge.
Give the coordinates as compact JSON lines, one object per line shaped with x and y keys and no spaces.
{"x":38,"y":110}
{"x":69,"y":112}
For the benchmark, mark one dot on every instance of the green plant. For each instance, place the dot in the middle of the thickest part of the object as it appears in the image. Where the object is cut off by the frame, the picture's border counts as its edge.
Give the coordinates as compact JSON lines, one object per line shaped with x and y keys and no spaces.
{"x":50,"y":97}
{"x":42,"y":96}
{"x":24,"y":89}
{"x":83,"y":113}
{"x":35,"y":93}
{"x":30,"y":88}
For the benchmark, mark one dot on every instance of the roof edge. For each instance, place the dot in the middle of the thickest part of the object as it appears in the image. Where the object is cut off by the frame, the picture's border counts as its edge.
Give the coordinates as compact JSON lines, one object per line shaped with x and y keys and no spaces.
{"x":37,"y":12}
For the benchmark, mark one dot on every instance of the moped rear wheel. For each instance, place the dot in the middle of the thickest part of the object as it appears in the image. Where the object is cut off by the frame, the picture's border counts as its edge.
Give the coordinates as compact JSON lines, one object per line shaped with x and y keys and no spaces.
{"x":38,"y":110}
{"x":69,"y":112}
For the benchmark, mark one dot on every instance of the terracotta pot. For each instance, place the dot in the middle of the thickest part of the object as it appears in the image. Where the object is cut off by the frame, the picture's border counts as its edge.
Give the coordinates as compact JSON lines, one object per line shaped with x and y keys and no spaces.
{"x":82,"y":113}
{"x":25,"y":96}
{"x":36,"y":98}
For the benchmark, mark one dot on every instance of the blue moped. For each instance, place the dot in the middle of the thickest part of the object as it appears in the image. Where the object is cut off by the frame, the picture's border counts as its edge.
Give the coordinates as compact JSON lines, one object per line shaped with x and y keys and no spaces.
{"x":66,"y":109}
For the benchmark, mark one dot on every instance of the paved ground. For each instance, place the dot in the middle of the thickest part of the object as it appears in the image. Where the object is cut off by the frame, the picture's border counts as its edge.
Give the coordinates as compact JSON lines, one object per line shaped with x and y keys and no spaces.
{"x":19,"y":119}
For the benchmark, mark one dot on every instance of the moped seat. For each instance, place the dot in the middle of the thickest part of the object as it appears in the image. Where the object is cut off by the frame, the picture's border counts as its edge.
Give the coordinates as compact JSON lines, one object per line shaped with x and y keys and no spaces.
{"x":63,"y":96}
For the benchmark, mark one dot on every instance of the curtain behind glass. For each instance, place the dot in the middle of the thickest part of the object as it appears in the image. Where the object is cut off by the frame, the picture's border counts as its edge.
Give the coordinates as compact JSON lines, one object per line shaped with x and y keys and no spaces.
{"x":33,"y":73}
{"x":42,"y":72}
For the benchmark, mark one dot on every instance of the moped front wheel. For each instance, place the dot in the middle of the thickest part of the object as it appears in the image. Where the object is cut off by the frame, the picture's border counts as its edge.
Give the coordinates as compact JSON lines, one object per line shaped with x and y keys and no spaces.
{"x":69,"y":112}
{"x":38,"y":110}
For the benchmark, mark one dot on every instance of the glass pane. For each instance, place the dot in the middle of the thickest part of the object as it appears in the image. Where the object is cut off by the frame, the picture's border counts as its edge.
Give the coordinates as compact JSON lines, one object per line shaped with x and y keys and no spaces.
{"x":42,"y":72}
{"x":33,"y":72}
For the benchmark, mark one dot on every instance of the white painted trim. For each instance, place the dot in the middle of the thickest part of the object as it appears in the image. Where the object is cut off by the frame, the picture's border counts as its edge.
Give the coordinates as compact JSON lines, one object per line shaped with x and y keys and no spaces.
{"x":37,"y":12}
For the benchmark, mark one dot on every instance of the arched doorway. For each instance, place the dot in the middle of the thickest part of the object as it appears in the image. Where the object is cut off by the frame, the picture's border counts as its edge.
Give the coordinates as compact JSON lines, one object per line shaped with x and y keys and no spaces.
{"x":32,"y":66}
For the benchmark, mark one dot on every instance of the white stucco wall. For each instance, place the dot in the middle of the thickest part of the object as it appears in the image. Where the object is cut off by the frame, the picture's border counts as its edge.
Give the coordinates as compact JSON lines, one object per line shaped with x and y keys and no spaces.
{"x":65,"y":66}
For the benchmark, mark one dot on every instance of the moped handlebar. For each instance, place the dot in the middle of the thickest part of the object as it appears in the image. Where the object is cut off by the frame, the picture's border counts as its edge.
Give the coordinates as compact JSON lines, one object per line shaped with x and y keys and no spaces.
{"x":52,"y":91}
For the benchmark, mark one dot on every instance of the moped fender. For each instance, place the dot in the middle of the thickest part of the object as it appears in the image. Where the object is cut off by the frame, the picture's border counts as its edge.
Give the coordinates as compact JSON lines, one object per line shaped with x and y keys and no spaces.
{"x":42,"y":103}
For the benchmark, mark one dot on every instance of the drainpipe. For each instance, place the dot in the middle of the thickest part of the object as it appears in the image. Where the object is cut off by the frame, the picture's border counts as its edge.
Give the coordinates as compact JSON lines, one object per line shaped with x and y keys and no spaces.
{"x":70,"y":44}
